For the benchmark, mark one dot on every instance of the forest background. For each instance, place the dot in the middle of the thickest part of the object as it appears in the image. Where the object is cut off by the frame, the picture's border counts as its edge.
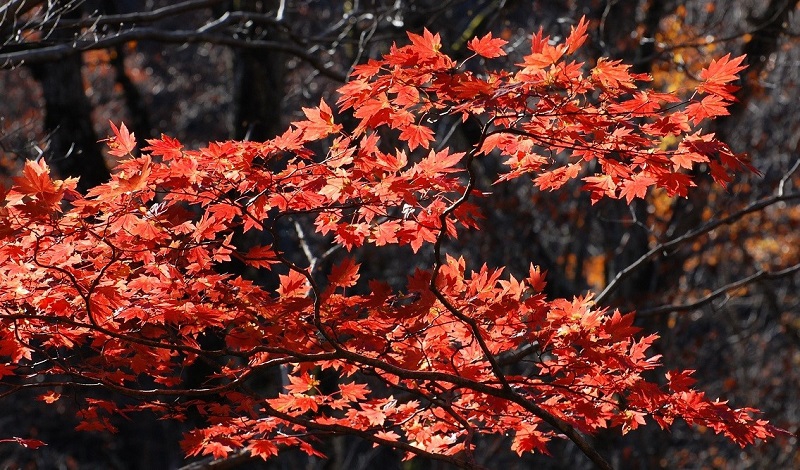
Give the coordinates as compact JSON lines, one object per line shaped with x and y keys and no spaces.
{"x":721,"y":290}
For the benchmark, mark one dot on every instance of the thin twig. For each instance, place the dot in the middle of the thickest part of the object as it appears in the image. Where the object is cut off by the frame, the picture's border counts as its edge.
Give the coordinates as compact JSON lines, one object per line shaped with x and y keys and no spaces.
{"x":61,"y":51}
{"x":760,"y":275}
{"x":689,"y":236}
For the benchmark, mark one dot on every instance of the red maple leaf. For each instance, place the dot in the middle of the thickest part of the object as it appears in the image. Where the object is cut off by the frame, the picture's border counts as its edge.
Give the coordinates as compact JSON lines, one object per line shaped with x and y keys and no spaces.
{"x":487,"y":46}
{"x":319,"y":123}
{"x":263,"y":448}
{"x":50,"y":397}
{"x":417,"y":136}
{"x":425,"y":45}
{"x":167,"y":147}
{"x":353,"y":391}
{"x":612,"y":74}
{"x":636,"y":187}
{"x":123,"y":142}
{"x":293,"y":284}
{"x":35,"y":178}
{"x":261,"y":256}
{"x":710,"y":106}
{"x":719,"y":74}
{"x":217,"y":450}
{"x":344,"y":274}
{"x":577,"y":36}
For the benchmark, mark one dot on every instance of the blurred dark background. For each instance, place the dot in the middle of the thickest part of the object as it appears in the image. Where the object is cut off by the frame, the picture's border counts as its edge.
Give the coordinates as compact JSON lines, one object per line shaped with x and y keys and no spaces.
{"x":724,"y":297}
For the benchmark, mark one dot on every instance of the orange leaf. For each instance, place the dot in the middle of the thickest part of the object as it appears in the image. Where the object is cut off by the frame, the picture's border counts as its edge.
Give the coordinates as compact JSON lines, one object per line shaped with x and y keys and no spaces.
{"x":487,"y":46}
{"x":50,"y":397}
{"x":35,"y":178}
{"x":577,"y":36}
{"x":123,"y":142}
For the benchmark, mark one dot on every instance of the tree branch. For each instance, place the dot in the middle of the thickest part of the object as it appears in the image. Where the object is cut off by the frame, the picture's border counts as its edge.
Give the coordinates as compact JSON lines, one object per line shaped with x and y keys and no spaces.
{"x":689,"y":236}
{"x":61,"y":51}
{"x":137,"y":17}
{"x":652,"y":312}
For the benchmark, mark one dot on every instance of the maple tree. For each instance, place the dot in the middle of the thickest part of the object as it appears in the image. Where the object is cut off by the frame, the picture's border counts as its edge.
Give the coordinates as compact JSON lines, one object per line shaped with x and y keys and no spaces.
{"x":115,"y":288}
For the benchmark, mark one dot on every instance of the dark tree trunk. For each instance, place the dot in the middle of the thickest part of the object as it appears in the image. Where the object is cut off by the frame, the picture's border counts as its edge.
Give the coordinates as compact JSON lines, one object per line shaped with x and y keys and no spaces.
{"x":73,"y":148}
{"x":258,"y":94}
{"x":258,"y":85}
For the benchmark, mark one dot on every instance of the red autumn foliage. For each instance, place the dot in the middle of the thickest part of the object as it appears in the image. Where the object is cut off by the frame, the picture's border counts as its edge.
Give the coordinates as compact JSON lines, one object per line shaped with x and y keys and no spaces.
{"x":116,"y":288}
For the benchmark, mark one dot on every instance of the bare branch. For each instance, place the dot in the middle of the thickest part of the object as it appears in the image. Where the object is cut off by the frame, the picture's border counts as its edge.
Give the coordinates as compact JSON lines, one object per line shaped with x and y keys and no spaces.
{"x":137,"y":17}
{"x":61,"y":51}
{"x":691,"y":235}
{"x":301,"y":236}
{"x":760,"y":275}
{"x":15,"y":8}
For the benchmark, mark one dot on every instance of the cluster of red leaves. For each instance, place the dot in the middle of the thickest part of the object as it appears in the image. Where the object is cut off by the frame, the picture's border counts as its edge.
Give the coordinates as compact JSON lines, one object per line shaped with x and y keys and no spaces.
{"x":116,"y":288}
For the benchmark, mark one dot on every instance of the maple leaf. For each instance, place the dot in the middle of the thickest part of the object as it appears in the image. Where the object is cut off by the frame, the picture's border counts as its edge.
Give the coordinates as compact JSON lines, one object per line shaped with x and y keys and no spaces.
{"x":301,"y":384}
{"x":426,"y":45}
{"x":224,"y":212}
{"x":386,"y":233}
{"x":123,"y":142}
{"x":600,"y":186}
{"x":417,"y":136}
{"x":319,"y":123}
{"x":685,"y":158}
{"x":717,"y":76}
{"x":709,"y":107}
{"x":632,"y":420}
{"x":304,"y":403}
{"x":263,"y":448}
{"x":612,"y":74}
{"x":438,"y":162}
{"x":676,"y":184}
{"x":546,"y":56}
{"x":344,"y":274}
{"x":283,"y":402}
{"x":557,"y":178}
{"x":487,"y":46}
{"x":293,"y":284}
{"x":35,"y":178}
{"x":680,"y":381}
{"x":167,"y":147}
{"x":373,"y":112}
{"x":577,"y":36}
{"x":636,"y":187}
{"x":50,"y":397}
{"x":261,"y":256}
{"x":136,"y":179}
{"x":373,"y":413}
{"x":621,"y":326}
{"x":216,"y":449}
{"x":527,"y":438}
{"x":353,"y":391}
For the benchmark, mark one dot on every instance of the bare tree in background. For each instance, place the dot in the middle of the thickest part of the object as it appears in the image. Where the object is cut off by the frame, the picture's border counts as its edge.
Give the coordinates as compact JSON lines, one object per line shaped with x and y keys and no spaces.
{"x":217,"y":69}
